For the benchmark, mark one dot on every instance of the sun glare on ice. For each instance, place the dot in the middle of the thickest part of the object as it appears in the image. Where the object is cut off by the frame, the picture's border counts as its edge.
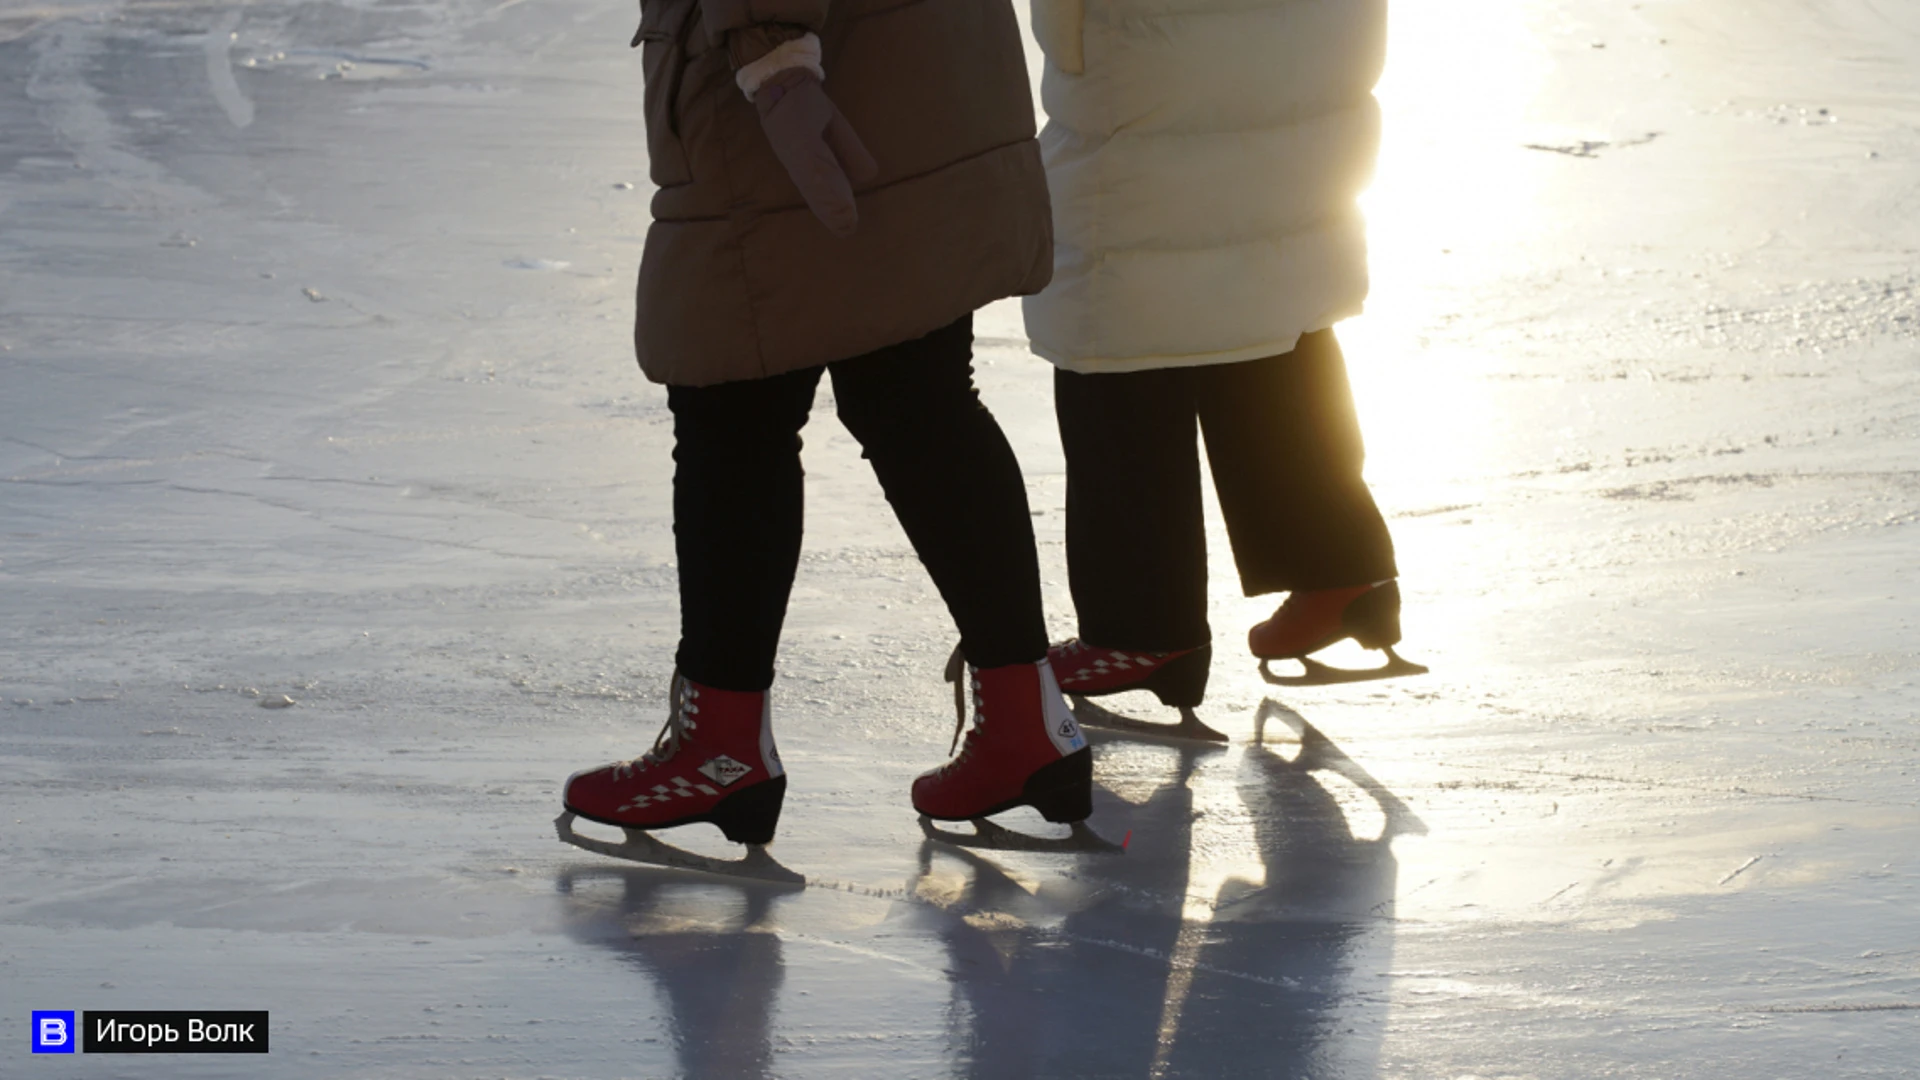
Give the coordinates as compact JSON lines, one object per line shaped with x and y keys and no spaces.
{"x":1451,"y":203}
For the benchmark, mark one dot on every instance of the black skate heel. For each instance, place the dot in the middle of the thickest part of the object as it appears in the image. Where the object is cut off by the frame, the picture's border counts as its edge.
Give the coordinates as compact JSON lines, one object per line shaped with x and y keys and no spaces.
{"x":749,"y":817}
{"x":1373,"y":618}
{"x":1063,"y":790}
{"x":1182,"y":682}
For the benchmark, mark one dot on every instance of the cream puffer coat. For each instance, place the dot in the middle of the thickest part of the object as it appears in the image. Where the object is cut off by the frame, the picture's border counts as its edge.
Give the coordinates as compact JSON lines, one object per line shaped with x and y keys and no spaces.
{"x":1204,"y":158}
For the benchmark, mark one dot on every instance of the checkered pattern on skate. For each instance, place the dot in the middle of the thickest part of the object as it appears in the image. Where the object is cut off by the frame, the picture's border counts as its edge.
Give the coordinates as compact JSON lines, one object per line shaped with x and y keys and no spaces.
{"x":1114,"y":665}
{"x":677,"y":788}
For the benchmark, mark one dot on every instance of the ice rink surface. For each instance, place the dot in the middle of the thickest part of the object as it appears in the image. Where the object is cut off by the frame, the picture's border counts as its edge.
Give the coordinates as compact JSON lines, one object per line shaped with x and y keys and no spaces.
{"x":335,"y":532}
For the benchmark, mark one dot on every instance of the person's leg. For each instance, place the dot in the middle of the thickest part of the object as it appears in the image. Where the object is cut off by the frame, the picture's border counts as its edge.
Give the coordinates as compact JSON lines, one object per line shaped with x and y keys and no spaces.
{"x":1136,"y":537}
{"x":737,"y":515}
{"x":1284,"y":444}
{"x":954,"y":484}
{"x":736,"y":522}
{"x":956,"y":487}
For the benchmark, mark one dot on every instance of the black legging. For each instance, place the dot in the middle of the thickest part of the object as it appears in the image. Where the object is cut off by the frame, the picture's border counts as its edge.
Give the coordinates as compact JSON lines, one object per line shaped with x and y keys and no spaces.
{"x":1285,"y":449}
{"x":940,"y":457}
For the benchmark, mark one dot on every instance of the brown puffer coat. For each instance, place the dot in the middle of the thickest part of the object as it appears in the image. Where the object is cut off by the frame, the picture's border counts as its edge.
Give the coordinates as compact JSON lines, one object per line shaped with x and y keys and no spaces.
{"x":740,"y":281}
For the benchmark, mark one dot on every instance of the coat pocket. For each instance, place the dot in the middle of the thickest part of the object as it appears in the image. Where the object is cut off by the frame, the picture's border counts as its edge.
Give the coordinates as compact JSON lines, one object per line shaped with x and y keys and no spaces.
{"x":1059,"y":27}
{"x":662,"y":39}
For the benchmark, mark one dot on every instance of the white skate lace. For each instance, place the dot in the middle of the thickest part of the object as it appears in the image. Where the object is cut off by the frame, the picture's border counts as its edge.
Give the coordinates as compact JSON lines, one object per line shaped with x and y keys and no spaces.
{"x":680,"y":710}
{"x":956,"y":666}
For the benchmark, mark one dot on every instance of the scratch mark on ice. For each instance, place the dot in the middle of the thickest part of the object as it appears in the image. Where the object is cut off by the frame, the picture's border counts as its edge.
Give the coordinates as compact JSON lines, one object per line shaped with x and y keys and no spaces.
{"x":1743,"y":868}
{"x":1890,"y":1006}
{"x":226,"y":89}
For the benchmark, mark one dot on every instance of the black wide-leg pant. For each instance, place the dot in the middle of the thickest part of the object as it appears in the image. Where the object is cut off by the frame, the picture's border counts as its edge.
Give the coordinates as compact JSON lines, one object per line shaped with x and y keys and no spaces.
{"x":1285,"y":449}
{"x":941,"y":459}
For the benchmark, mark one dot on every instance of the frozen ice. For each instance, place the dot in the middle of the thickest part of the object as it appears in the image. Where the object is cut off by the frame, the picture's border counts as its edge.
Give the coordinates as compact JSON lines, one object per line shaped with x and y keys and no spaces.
{"x":274,"y":416}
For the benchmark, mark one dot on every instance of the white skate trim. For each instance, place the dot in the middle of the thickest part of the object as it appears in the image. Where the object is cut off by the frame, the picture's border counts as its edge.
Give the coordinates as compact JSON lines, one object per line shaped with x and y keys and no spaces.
{"x":681,"y":788}
{"x":724,"y":771}
{"x":1062,"y":729}
{"x":801,"y":52}
{"x":769,"y":754}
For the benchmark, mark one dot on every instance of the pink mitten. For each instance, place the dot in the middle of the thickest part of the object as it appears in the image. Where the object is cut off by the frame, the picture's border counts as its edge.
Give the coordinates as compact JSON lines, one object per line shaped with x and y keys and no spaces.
{"x":817,"y":145}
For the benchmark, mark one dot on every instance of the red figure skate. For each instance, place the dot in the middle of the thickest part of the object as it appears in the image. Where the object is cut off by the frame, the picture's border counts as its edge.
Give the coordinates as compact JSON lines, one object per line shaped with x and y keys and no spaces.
{"x":1024,"y":749}
{"x":714,"y":761}
{"x":1313,"y":619}
{"x":1177,"y":678}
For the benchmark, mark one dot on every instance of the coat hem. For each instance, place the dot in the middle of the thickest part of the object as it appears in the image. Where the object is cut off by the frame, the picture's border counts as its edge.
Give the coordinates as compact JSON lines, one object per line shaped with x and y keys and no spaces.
{"x":1082,"y":365}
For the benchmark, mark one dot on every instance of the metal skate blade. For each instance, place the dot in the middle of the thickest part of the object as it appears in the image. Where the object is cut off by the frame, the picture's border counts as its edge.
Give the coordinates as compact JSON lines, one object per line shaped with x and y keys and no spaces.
{"x":642,"y":847}
{"x":1082,"y":840}
{"x":1315,"y":673}
{"x":1189,"y":729}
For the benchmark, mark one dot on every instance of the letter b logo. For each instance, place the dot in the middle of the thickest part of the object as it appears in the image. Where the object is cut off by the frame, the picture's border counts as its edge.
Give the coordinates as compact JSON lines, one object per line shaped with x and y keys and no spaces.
{"x":53,"y":1032}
